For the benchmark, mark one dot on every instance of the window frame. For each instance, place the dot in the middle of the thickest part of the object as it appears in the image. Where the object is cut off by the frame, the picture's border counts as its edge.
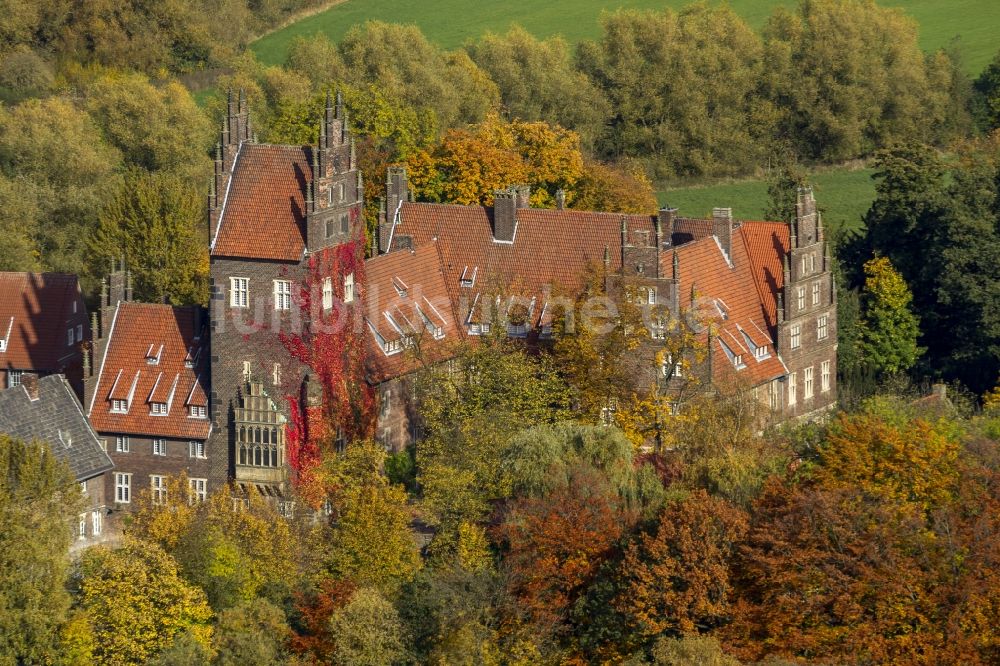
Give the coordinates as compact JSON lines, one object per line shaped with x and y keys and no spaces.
{"x":158,"y":489}
{"x":327,"y":294}
{"x":239,"y":292}
{"x":14,"y":377}
{"x":283,"y":295}
{"x":123,"y":487}
{"x":159,"y":446}
{"x":824,"y":376}
{"x":196,"y":450}
{"x":349,"y":282}
{"x":795,"y":336}
{"x":807,"y":383}
{"x":197,"y":490}
{"x":793,"y":389}
{"x":822,"y":327}
{"x":122,"y":444}
{"x":800,"y":297}
{"x":815,"y":292}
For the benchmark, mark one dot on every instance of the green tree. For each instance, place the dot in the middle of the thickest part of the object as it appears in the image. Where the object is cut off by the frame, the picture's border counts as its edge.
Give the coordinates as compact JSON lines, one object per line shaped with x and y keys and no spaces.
{"x":153,"y":220}
{"x":537,"y":81}
{"x":38,"y":502}
{"x":691,"y":651}
{"x":782,"y":191}
{"x":683,"y":89}
{"x":987,"y":88}
{"x":367,"y":631}
{"x":849,"y":75}
{"x":137,"y":602}
{"x":889,"y":329}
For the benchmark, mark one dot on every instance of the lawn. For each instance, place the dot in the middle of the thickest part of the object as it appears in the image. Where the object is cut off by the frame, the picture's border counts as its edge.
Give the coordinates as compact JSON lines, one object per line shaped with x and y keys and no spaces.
{"x":843,"y":195}
{"x":451,"y":22}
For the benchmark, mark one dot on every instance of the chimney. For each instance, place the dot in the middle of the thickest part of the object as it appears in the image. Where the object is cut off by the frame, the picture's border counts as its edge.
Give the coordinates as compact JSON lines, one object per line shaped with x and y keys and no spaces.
{"x":29,"y":380}
{"x":722,"y":229}
{"x":522,"y":195}
{"x":561,"y":199}
{"x":396,"y":190}
{"x":665,"y":226}
{"x":128,"y":285}
{"x":505,"y":214}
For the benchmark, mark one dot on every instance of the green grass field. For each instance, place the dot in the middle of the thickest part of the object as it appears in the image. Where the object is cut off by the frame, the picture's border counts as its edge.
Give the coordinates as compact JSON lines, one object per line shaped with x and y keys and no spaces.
{"x":844,"y":195}
{"x":451,"y":22}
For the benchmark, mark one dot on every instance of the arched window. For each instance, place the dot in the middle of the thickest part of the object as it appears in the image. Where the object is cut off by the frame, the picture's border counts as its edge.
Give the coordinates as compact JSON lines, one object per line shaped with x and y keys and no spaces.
{"x":243,"y":455}
{"x":256,"y":456}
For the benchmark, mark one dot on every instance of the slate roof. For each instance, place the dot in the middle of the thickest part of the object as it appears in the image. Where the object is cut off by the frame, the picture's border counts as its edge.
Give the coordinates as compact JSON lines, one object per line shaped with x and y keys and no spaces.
{"x":35,"y":311}
{"x":140,"y":332}
{"x":263,"y":211}
{"x":57,"y":419}
{"x":406,"y":296}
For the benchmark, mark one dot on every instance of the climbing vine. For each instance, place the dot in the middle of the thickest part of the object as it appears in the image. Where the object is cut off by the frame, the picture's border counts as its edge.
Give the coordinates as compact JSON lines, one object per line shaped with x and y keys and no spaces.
{"x":333,"y":347}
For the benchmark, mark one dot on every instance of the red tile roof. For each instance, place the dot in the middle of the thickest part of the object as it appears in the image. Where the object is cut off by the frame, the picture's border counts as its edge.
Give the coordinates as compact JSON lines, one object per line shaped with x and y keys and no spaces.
{"x":125,"y":373}
{"x":739,"y":299}
{"x":36,"y":309}
{"x":263,"y":211}
{"x":406,"y":295}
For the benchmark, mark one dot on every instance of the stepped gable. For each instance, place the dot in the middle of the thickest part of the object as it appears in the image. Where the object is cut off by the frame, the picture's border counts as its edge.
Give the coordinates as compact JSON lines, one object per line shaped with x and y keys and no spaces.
{"x":46,"y":410}
{"x":263,"y":212}
{"x":406,"y":295}
{"x":35,"y":311}
{"x":155,"y":354}
{"x":740,"y":299}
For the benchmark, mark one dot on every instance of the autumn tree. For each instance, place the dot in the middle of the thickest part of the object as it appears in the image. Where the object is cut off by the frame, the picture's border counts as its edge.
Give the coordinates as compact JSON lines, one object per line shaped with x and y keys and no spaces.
{"x":137,"y":601}
{"x":38,"y":500}
{"x":622,"y":188}
{"x":153,"y":221}
{"x":675,"y":578}
{"x":889,"y":328}
{"x":554,"y":545}
{"x":371,"y":544}
{"x":367,"y":631}
{"x":253,"y":634}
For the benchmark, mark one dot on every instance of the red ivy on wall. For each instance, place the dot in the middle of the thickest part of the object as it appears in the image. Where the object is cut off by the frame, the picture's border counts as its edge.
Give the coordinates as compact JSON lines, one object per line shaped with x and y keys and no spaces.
{"x":332,"y":345}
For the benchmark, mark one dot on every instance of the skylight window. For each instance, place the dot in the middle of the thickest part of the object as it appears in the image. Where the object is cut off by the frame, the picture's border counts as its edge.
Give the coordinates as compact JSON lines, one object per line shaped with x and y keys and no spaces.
{"x":468,"y":278}
{"x":153,"y":354}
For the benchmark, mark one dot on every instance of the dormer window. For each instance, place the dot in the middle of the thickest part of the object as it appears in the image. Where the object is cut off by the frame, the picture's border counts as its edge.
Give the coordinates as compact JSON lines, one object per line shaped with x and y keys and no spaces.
{"x":119,"y":406}
{"x":6,"y":337}
{"x":192,"y":357}
{"x":468,"y":278}
{"x":400,"y":287}
{"x":760,"y":353}
{"x":737,"y":359}
{"x":158,"y":408}
{"x":153,"y":355}
{"x":197,"y":411}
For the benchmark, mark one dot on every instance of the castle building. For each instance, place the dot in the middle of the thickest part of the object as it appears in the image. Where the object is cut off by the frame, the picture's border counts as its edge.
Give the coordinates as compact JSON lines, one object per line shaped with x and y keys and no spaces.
{"x":43,"y":324}
{"x":287,"y":249}
{"x":146,"y":395}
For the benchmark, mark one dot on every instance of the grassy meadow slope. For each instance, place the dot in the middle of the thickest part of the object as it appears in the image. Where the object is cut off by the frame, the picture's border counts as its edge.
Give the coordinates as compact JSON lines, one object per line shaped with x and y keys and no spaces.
{"x":451,"y":22}
{"x":843,"y":194}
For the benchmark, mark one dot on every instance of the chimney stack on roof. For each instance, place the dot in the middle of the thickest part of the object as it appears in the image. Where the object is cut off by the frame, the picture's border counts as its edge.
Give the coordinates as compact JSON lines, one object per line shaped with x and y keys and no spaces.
{"x":561,"y":199}
{"x":722,"y":229}
{"x":522,"y":195}
{"x":29,"y":380}
{"x":505,"y":214}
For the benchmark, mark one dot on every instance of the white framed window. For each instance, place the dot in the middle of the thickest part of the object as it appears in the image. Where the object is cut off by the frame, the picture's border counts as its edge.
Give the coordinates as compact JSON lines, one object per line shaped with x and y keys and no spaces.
{"x":812,"y":263}
{"x":796,"y":336}
{"x":96,"y":522}
{"x":282,"y":295}
{"x":792,"y":389}
{"x":119,"y":406}
{"x":246,"y":371}
{"x":159,"y":447}
{"x":122,"y":444}
{"x":158,"y":408}
{"x":815,"y":293}
{"x":774,"y":395}
{"x":327,"y":293}
{"x":669,"y":369}
{"x":158,"y":489}
{"x":197,"y":412}
{"x":196,"y":449}
{"x":79,"y":332}
{"x":824,"y":376}
{"x":69,"y":337}
{"x":14,"y":378}
{"x":349,"y":288}
{"x":801,"y":294}
{"x":123,"y":488}
{"x":276,"y":374}
{"x":83,"y":488}
{"x":198,"y":490}
{"x":805,"y":265}
{"x":239,"y":292}
{"x":807,"y":388}
{"x":821,"y":327}
{"x":82,"y":528}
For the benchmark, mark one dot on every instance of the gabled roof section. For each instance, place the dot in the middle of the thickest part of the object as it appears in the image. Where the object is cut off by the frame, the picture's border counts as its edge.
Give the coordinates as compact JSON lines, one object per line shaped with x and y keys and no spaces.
{"x":748,"y":289}
{"x":125,"y":374}
{"x":56,"y":419}
{"x":35,"y":311}
{"x":263,"y":212}
{"x":423,"y":315}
